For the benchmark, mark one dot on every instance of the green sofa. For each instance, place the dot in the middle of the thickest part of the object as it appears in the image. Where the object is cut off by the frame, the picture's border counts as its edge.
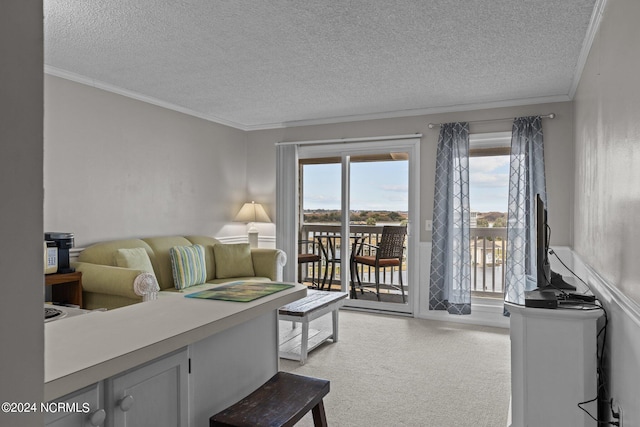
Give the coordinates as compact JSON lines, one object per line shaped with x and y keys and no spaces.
{"x":108,"y":284}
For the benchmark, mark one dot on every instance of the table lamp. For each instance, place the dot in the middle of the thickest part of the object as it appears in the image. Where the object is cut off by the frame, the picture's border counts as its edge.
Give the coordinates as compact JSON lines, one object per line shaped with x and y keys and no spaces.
{"x":251,"y":213}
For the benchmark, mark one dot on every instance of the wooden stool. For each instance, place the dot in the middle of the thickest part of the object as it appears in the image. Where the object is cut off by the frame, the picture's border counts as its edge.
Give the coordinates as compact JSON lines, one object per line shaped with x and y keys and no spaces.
{"x":281,"y":401}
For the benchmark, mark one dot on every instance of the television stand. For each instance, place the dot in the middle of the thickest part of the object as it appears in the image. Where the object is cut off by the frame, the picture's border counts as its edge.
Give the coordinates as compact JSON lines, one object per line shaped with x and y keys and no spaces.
{"x":553,"y":365}
{"x":557,"y":283}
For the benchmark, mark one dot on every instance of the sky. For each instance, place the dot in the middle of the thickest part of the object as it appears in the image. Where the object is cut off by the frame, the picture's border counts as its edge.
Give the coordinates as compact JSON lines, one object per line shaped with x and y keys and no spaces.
{"x":489,"y":183}
{"x":380,"y":185}
{"x":384,"y":185}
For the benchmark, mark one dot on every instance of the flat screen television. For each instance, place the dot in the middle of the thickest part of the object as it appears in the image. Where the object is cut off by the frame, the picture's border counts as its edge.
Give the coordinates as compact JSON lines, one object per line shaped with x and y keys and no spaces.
{"x":547,"y":280}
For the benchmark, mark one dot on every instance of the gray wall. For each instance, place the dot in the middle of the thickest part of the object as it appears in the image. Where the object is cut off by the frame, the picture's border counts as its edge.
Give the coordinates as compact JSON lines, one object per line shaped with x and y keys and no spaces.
{"x":559,"y":154}
{"x":21,"y":263}
{"x":607,"y":105}
{"x":116,"y":167}
{"x":607,"y":191}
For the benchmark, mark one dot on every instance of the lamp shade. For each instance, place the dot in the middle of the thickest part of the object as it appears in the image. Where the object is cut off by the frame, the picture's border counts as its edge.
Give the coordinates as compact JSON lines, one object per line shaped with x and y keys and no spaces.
{"x":252,"y":212}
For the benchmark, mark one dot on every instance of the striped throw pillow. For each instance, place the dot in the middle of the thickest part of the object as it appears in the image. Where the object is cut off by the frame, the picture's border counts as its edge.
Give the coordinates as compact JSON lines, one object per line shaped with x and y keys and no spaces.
{"x":188,"y":265}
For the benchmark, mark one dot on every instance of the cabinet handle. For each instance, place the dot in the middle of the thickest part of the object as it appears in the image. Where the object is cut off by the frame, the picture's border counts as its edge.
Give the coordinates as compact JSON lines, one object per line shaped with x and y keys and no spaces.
{"x":97,"y":418}
{"x":126,"y":403}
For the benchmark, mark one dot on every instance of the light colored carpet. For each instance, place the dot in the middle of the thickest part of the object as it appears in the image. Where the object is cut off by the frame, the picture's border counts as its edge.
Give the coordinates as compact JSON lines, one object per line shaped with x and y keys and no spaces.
{"x":398,"y":371}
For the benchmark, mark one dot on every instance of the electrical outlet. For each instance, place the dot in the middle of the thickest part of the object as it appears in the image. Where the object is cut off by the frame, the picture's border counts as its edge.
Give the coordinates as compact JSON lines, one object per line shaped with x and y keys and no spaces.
{"x":619,"y":416}
{"x":616,"y":412}
{"x":428,"y":225}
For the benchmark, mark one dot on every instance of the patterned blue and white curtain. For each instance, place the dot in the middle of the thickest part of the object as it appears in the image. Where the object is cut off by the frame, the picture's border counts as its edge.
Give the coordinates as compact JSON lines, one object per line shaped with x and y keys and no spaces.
{"x":450,"y":287}
{"x":526,"y":179}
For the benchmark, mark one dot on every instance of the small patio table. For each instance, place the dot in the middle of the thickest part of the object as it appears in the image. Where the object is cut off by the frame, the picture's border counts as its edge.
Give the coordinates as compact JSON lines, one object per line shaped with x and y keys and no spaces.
{"x":329,"y":247}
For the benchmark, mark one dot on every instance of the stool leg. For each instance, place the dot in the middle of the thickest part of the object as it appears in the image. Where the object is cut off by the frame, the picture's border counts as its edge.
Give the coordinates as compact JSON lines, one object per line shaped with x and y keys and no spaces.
{"x":319,"y":417}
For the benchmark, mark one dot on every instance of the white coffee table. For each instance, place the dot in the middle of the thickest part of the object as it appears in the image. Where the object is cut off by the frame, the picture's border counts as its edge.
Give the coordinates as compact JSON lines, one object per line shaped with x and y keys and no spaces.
{"x":296,"y":343}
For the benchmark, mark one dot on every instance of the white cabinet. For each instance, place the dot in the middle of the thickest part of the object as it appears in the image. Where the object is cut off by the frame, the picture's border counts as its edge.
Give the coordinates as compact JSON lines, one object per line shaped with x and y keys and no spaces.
{"x":232,"y":348}
{"x":226,"y":367}
{"x":80,"y":409}
{"x":154,"y":394}
{"x":163,"y":393}
{"x":553,"y":366}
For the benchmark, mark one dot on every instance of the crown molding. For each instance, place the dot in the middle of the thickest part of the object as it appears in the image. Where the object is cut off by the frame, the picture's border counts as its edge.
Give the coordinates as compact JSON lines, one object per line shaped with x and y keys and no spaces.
{"x":431,"y":110}
{"x":57,"y":72}
{"x":592,"y":30}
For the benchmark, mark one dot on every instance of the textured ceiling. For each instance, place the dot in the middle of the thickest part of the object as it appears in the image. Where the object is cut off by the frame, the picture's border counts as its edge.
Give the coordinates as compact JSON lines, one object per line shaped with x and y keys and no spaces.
{"x":269,"y":63}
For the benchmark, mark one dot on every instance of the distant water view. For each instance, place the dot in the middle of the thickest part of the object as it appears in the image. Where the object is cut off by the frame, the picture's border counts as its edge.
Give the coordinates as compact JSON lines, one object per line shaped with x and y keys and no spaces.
{"x":376,"y":217}
{"x":379,"y":190}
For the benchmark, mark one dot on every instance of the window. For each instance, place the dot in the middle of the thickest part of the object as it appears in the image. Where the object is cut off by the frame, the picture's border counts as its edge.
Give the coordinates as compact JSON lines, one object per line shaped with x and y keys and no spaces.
{"x":488,"y":198}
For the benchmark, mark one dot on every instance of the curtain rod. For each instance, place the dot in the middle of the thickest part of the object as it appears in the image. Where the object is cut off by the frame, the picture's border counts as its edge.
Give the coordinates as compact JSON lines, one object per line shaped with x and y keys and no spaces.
{"x":545,"y":116}
{"x":346,"y":140}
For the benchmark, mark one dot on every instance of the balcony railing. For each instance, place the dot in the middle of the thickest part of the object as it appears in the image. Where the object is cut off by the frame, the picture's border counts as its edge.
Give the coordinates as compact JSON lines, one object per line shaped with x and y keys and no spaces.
{"x":488,"y":249}
{"x":363,"y":233}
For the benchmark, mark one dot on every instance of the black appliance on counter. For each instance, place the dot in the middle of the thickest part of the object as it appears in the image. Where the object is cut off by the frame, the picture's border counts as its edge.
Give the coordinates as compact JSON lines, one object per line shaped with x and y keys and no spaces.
{"x":64,"y":242}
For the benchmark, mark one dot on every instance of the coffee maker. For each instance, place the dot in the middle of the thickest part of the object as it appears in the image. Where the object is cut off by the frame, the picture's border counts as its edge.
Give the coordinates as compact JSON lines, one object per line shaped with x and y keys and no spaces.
{"x":63,"y":241}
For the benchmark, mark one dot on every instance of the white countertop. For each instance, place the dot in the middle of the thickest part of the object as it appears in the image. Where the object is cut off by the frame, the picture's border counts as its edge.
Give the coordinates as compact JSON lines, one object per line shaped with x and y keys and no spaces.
{"x":82,"y":350}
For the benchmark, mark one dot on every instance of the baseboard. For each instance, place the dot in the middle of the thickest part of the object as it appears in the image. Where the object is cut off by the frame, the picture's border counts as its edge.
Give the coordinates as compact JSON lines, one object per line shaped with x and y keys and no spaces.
{"x":74,"y":253}
{"x":263,"y":241}
{"x":484,"y":312}
{"x":233,"y":239}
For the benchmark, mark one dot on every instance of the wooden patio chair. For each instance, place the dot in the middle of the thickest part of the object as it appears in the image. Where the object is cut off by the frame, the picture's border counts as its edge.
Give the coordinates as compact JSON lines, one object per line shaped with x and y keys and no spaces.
{"x":387,"y":254}
{"x":309,"y":251}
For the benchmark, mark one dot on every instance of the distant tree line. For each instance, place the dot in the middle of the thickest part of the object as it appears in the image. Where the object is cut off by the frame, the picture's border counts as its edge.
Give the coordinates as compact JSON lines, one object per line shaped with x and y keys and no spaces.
{"x":363,"y":217}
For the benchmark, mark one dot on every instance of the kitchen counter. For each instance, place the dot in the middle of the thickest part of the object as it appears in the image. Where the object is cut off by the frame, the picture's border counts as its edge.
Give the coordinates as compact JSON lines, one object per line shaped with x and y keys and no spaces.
{"x":83,"y":350}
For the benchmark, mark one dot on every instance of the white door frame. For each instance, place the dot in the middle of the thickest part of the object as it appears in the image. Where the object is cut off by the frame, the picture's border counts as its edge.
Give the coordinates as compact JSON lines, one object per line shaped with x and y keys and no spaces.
{"x":345,"y":148}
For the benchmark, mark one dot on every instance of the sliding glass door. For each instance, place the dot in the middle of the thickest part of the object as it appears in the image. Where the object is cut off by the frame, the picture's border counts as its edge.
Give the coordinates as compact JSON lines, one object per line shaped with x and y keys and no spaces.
{"x":320,"y":219}
{"x":351,"y":198}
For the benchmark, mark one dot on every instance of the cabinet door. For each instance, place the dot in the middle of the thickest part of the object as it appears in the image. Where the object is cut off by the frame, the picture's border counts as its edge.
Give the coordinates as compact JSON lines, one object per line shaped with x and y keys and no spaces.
{"x":153,"y":395}
{"x":80,"y":409}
